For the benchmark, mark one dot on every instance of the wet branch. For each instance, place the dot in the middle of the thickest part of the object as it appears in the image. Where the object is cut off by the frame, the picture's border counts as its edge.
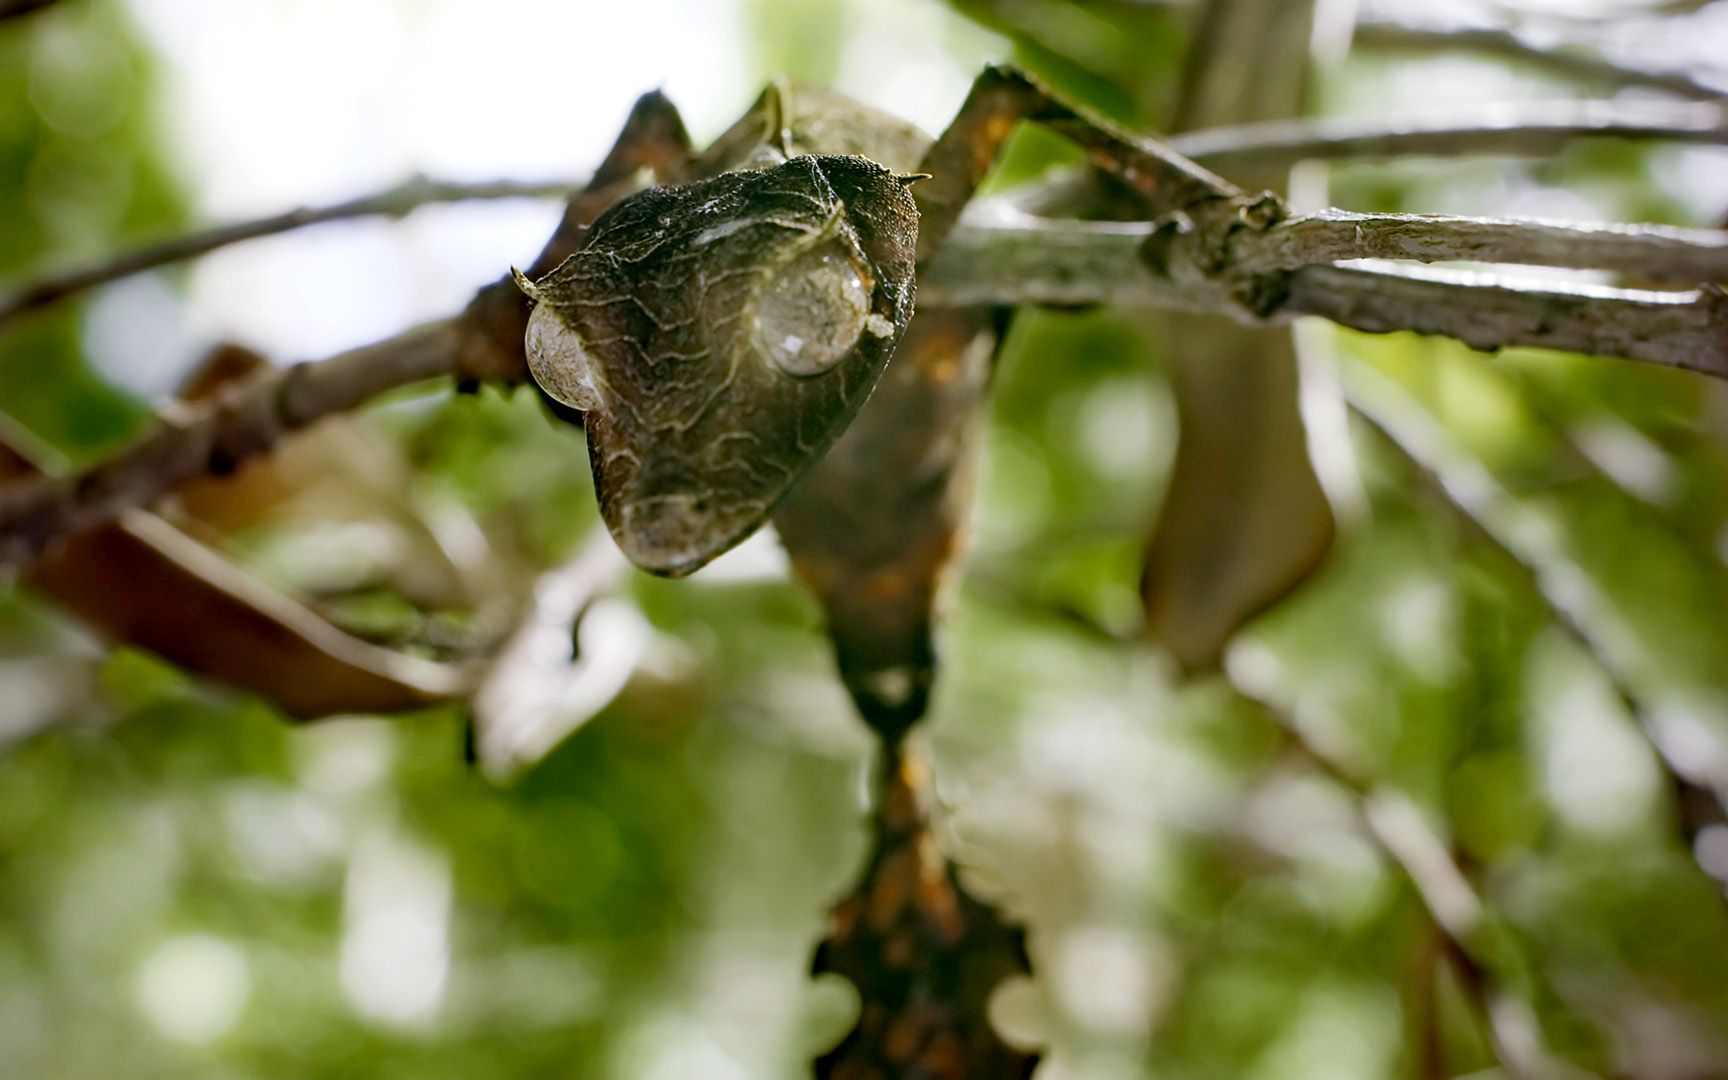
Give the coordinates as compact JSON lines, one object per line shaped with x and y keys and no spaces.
{"x":404,"y":198}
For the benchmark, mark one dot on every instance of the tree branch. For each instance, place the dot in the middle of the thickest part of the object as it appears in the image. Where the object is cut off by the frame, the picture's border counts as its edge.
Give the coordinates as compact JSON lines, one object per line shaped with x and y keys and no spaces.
{"x":1071,"y":263}
{"x":1021,"y":262}
{"x":1509,"y":43}
{"x":1231,"y":259}
{"x":1519,"y":130}
{"x":1673,"y":329}
{"x":398,"y":201}
{"x":1657,"y":252}
{"x":248,"y":420}
{"x":1589,"y":12}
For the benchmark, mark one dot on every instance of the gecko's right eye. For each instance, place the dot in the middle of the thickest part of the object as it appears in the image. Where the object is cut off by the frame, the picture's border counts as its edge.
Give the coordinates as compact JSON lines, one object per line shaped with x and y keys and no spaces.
{"x":812,"y":311}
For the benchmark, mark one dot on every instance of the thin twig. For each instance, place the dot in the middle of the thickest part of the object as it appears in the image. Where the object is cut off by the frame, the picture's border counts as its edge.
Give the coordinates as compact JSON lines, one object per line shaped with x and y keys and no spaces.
{"x":1507,"y":42}
{"x":1588,"y":67}
{"x":1514,"y":129}
{"x":12,"y":9}
{"x":1575,"y":606}
{"x":398,"y":201}
{"x":1458,"y":912}
{"x":1597,"y":12}
{"x":1397,"y":827}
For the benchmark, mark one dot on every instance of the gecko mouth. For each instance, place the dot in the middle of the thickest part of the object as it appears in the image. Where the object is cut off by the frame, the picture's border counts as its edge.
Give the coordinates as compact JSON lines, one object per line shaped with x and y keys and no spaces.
{"x":670,"y":535}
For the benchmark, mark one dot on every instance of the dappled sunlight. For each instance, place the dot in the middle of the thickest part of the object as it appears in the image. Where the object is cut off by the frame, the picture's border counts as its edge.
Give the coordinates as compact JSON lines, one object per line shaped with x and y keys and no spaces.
{"x":194,"y":988}
{"x":395,"y":938}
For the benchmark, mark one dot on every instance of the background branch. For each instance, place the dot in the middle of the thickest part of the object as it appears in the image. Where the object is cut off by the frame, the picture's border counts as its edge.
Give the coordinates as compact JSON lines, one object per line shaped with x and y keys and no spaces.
{"x":247,"y":420}
{"x":1576,"y":607}
{"x":398,"y":201}
{"x":12,"y":9}
{"x":1520,"y":130}
{"x":1581,"y":65}
{"x":1397,"y":827}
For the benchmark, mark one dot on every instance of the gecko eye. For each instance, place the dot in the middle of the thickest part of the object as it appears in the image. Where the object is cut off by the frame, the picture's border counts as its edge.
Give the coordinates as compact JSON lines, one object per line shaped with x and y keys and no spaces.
{"x":811,"y":313}
{"x":558,"y":361}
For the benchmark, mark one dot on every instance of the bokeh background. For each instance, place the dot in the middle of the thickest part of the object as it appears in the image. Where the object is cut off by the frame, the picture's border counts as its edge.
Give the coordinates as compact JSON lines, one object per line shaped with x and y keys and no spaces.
{"x":1526,"y":602}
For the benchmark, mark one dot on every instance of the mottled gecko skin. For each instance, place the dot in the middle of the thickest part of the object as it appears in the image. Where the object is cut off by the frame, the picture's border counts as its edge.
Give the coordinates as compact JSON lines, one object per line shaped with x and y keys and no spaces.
{"x":925,"y":955}
{"x":719,"y":336}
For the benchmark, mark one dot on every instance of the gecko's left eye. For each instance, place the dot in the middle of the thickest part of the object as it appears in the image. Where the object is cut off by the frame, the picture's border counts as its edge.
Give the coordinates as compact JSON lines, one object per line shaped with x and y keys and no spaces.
{"x":559,"y":362}
{"x":812,"y":311}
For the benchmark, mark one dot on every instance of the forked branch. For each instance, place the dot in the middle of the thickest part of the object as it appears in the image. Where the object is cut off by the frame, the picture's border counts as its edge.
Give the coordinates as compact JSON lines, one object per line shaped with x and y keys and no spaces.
{"x":1576,"y":606}
{"x":1452,"y":903}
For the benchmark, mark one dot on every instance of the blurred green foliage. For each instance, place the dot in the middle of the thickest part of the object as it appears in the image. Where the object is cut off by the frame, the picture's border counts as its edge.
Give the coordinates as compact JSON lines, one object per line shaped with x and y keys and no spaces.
{"x":189,"y":887}
{"x":79,"y":172}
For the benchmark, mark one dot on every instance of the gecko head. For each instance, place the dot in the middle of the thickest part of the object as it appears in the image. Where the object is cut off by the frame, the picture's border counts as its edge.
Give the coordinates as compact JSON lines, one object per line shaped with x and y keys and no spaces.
{"x":718,"y":337}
